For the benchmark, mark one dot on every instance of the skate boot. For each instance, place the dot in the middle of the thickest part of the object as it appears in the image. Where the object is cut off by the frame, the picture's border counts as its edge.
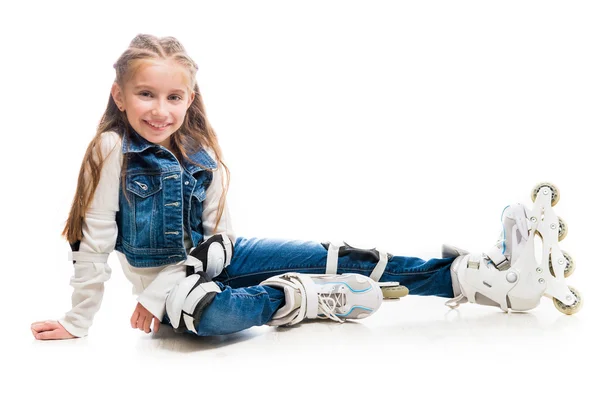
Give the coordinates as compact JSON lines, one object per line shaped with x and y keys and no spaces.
{"x":335,"y":297}
{"x":524,"y":265}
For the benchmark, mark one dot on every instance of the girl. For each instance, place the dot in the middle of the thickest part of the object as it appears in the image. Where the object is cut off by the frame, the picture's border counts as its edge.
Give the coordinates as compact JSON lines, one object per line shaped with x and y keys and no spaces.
{"x":153,"y":187}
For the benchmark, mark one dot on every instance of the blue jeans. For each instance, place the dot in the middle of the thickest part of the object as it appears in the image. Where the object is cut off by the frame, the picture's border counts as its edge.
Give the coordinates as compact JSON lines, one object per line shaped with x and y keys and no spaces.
{"x":243,"y":304}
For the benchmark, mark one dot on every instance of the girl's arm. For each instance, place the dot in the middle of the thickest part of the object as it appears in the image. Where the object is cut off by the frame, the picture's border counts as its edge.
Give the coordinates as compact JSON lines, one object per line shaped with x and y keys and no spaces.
{"x":99,"y":236}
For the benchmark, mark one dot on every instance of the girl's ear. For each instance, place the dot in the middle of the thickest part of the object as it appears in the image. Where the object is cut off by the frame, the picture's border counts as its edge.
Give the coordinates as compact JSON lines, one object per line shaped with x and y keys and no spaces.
{"x":192,"y":96}
{"x":117,"y":95}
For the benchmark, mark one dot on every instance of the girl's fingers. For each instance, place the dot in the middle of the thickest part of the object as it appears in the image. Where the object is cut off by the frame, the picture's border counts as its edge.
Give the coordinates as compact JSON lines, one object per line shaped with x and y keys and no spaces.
{"x":147,"y":323}
{"x":134,"y":319}
{"x":48,"y":335}
{"x":44,"y":326}
{"x":140,"y":322}
{"x":156,"y":325}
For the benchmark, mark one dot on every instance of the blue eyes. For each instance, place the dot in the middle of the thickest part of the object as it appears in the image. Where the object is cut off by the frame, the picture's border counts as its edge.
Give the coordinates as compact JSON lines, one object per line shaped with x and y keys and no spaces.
{"x":145,"y":93}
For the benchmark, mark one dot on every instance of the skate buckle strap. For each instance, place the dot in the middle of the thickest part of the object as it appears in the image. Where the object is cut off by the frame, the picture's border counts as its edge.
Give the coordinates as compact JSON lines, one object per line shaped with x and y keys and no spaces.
{"x":498,"y":258}
{"x":310,"y":296}
{"x":332,"y":258}
{"x":380,"y":267}
{"x":317,"y":302}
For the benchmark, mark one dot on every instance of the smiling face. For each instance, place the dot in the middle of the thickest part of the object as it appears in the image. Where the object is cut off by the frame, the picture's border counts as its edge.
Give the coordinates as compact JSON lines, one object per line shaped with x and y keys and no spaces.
{"x":155,"y":99}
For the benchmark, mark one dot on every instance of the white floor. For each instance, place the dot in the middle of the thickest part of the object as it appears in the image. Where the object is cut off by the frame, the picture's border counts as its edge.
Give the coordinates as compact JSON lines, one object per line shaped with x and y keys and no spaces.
{"x":414,"y":345}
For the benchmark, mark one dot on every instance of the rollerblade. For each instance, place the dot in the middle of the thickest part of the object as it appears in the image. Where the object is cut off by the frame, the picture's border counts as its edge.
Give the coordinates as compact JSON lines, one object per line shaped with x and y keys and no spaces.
{"x":335,"y":297}
{"x":514,"y":274}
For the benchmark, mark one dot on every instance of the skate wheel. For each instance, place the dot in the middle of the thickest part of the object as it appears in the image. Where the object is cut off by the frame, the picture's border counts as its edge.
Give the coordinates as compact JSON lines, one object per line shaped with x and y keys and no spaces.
{"x":552,"y":187}
{"x":569,"y":310}
{"x":394,"y":291}
{"x":562,"y":229}
{"x":569,"y":266}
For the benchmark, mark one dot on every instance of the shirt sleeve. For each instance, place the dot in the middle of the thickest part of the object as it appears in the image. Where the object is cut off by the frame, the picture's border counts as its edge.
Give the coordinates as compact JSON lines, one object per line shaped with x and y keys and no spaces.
{"x":99,"y":230}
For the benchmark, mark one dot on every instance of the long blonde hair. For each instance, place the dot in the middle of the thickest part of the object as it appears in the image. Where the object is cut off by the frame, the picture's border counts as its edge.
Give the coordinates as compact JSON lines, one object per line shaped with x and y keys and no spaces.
{"x":195,"y":132}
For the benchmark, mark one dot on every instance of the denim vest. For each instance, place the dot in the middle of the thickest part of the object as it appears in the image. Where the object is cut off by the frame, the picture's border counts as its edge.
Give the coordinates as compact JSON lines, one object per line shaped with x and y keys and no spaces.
{"x":165,"y":199}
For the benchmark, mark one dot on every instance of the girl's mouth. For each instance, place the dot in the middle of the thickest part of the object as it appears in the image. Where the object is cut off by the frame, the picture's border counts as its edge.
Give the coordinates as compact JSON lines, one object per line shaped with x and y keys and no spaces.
{"x":157,"y":127}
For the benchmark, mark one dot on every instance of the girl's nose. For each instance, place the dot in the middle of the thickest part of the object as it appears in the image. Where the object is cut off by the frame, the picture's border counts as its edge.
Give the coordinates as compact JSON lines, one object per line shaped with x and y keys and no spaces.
{"x":159,"y":109}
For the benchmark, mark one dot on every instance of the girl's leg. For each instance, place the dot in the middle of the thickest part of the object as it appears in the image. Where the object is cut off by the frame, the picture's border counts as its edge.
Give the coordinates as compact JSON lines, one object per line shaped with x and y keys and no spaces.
{"x":211,"y":308}
{"x":255,"y":260}
{"x":233,"y":310}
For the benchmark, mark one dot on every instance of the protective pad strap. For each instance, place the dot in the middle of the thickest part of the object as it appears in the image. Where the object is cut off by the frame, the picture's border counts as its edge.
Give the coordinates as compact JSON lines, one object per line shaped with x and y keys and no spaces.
{"x":333,"y":252}
{"x":87,"y":256}
{"x":380,"y":267}
{"x":337,"y":250}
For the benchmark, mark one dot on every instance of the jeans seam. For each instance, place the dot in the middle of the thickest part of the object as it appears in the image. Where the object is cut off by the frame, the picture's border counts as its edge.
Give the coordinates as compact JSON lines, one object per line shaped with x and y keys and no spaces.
{"x":247,"y":295}
{"x":273,"y":271}
{"x":322,"y":268}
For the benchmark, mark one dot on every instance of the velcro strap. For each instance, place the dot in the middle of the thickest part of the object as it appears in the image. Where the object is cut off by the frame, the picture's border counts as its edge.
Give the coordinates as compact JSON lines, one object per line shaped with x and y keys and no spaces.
{"x":193,"y":299}
{"x":194,"y":263}
{"x":88,"y":256}
{"x":332,"y":258}
{"x":228,"y":249}
{"x":310,"y":296}
{"x":495,"y":254}
{"x":380,"y":267}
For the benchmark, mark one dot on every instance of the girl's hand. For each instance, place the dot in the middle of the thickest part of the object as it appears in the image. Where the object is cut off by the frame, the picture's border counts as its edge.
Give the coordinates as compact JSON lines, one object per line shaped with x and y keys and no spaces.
{"x":50,"y":330}
{"x":142,"y":319}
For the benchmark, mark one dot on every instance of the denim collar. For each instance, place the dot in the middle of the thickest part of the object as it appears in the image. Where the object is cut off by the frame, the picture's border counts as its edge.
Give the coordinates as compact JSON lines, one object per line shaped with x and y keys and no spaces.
{"x":134,"y":143}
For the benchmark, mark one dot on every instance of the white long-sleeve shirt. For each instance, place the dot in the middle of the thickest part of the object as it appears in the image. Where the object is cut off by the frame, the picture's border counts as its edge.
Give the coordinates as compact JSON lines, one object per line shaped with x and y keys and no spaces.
{"x":151,"y":285}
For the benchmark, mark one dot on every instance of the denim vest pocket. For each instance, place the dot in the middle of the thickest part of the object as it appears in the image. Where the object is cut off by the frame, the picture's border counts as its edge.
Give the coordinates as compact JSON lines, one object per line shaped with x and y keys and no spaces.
{"x":145,"y":214}
{"x":144,"y":185}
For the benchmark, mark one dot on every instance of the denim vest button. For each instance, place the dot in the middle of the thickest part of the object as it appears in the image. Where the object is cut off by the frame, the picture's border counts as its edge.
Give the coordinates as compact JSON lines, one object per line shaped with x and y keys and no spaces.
{"x":186,"y":182}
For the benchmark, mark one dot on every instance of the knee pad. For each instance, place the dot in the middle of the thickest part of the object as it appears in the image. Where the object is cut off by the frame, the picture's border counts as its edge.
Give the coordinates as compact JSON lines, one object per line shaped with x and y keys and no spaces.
{"x":335,"y":250}
{"x":211,"y":256}
{"x":187,"y":301}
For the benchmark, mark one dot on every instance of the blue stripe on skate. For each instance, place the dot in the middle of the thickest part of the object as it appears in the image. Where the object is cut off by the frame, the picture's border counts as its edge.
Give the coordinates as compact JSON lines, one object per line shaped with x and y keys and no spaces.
{"x":349,"y":287}
{"x":503,"y":231}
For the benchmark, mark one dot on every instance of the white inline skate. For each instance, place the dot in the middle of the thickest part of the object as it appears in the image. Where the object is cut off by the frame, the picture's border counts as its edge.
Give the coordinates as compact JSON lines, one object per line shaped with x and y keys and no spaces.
{"x":335,"y":297}
{"x":524,"y":265}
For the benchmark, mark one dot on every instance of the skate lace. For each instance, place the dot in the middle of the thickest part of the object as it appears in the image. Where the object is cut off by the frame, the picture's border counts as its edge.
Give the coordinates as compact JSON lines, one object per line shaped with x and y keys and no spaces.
{"x":329,"y":302}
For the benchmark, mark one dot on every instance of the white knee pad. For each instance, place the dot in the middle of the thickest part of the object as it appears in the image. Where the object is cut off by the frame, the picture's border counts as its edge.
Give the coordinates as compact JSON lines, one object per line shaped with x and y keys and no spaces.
{"x":188,"y":299}
{"x":211,"y":256}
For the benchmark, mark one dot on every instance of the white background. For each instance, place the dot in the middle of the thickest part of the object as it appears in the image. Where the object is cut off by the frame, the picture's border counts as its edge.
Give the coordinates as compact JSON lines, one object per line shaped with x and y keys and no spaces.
{"x":401,"y":125}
